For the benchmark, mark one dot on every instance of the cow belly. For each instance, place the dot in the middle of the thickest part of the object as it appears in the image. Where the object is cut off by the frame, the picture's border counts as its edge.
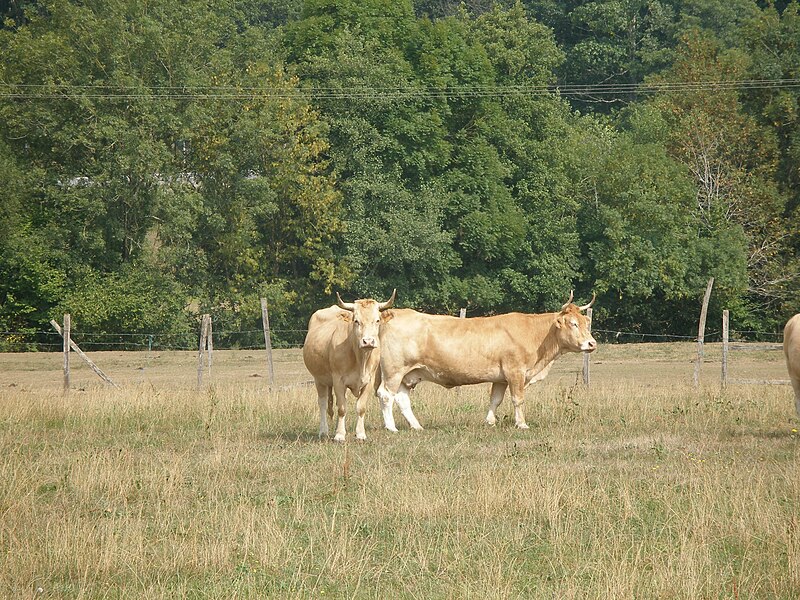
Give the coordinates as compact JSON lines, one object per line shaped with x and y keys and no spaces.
{"x":449,"y":378}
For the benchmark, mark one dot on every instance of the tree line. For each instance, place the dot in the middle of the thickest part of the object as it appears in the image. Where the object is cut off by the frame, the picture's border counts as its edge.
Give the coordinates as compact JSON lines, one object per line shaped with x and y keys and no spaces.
{"x":159,"y":160}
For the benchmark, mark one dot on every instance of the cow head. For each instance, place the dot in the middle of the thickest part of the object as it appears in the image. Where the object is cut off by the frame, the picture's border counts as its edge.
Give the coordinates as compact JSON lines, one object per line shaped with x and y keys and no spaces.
{"x":573,"y":328}
{"x":366,"y":319}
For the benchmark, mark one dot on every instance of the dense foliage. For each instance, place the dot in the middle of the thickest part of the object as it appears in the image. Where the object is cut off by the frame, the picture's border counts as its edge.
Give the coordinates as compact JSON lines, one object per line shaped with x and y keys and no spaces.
{"x":158,"y":159}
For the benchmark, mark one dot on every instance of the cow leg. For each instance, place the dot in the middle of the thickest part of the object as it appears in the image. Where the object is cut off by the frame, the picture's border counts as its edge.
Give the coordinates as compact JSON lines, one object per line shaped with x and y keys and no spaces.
{"x":341,"y":402}
{"x":404,"y":402}
{"x":498,"y":389}
{"x":361,"y":408}
{"x":517,"y":389}
{"x":796,"y":386}
{"x":324,"y":400}
{"x":386,"y":400}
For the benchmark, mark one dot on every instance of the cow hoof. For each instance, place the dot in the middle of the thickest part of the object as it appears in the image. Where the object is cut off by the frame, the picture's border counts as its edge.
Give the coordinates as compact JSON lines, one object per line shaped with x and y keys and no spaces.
{"x":417,"y":428}
{"x":491,"y":422}
{"x":361,"y":438}
{"x":392,"y":429}
{"x":522,"y":426}
{"x":339,"y":438}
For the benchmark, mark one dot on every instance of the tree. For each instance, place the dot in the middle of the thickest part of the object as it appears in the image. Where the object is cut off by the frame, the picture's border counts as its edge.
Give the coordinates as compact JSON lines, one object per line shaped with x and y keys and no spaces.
{"x":772,"y":45}
{"x":609,"y":42}
{"x":169,"y":139}
{"x":732,"y":159}
{"x":642,"y":241}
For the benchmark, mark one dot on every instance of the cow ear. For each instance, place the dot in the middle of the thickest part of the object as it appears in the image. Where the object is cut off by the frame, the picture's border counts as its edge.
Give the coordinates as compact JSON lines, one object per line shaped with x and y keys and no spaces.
{"x":386,"y":316}
{"x":346,"y":316}
{"x":560,"y":321}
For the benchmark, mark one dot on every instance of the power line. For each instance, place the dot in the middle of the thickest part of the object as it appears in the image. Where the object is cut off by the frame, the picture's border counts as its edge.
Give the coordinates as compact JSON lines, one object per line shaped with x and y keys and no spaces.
{"x":115,"y":92}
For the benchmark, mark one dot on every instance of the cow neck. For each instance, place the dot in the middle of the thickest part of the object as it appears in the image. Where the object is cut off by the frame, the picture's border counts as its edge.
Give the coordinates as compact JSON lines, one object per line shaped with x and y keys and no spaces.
{"x":363,"y":360}
{"x":548,"y":348}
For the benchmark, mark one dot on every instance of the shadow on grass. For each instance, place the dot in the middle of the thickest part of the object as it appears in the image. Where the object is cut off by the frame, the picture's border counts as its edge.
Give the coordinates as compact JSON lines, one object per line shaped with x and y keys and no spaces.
{"x":788,"y":432}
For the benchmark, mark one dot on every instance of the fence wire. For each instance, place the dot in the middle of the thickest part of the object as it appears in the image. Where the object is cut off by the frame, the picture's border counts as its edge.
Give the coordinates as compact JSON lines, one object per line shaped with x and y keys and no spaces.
{"x":253,"y":339}
{"x":50,"y":341}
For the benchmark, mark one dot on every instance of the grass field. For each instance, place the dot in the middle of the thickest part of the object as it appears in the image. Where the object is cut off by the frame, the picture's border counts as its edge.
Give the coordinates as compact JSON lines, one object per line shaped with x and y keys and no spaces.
{"x":640,"y":486}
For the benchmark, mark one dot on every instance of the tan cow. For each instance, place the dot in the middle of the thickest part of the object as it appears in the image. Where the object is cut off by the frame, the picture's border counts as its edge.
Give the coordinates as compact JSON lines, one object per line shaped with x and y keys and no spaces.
{"x":791,"y":347}
{"x":509,"y":351}
{"x":341,"y":353}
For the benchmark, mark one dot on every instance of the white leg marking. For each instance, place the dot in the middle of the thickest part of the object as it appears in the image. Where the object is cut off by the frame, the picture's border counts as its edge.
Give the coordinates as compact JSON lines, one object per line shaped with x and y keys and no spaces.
{"x":340,"y":431}
{"x":498,"y":389}
{"x":404,"y":402}
{"x":386,"y":402}
{"x":361,"y":434}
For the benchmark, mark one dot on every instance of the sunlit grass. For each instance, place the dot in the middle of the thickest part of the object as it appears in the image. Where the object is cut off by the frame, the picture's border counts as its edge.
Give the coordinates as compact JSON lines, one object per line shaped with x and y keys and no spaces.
{"x":618,"y":491}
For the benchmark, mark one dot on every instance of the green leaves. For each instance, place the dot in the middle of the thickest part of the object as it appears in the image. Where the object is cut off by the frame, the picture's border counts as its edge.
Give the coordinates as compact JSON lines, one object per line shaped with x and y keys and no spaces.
{"x":295,"y":148}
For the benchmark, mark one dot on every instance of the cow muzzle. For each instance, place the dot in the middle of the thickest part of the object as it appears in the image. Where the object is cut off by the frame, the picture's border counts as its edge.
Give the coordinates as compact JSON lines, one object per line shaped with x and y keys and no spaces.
{"x":589,"y":345}
{"x":368,"y":342}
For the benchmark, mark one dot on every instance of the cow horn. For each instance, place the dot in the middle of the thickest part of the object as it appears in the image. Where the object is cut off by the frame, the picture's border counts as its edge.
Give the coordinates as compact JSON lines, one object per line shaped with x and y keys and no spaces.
{"x":389,"y":302}
{"x":568,"y":301}
{"x":585,"y":306}
{"x":351,"y":306}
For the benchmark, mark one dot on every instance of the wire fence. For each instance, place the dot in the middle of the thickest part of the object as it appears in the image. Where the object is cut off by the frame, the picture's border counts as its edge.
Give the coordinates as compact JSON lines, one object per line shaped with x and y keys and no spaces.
{"x":611,"y":336}
{"x":253,"y":339}
{"x":50,"y":341}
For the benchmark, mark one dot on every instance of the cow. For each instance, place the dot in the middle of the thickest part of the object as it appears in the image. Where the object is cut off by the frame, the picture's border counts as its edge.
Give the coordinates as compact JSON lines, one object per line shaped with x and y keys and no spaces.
{"x":791,"y":348}
{"x":510,"y":351}
{"x":341,"y":353}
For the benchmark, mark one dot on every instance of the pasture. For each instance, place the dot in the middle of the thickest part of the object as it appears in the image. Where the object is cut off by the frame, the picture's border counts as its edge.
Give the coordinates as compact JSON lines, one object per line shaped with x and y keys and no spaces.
{"x":640,"y":486}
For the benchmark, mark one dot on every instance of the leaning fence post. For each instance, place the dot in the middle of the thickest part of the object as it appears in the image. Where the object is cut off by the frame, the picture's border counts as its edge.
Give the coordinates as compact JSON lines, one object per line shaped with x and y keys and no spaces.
{"x":66,"y":338}
{"x":267,"y":339}
{"x":725,"y":336}
{"x":586,"y":362}
{"x":81,"y":353}
{"x":701,"y":332}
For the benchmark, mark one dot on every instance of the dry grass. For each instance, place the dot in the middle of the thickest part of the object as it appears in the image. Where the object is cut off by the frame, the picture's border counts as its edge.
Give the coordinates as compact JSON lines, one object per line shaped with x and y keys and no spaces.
{"x":639,"y":486}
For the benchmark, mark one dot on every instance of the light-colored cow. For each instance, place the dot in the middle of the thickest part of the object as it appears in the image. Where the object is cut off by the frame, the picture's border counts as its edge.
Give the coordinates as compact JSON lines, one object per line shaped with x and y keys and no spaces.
{"x":791,"y":348}
{"x":341,"y":352}
{"x":509,"y":351}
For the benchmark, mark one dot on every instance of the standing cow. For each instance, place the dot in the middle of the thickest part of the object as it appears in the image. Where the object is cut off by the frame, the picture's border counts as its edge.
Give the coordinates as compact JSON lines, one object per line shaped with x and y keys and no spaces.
{"x":791,"y":347}
{"x":341,"y":352}
{"x":509,"y":351}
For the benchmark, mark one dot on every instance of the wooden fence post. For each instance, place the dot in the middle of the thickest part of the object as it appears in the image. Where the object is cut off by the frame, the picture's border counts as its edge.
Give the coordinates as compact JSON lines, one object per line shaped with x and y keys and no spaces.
{"x":201,"y":353}
{"x":267,"y":339}
{"x":586,"y":363}
{"x":725,"y":335}
{"x":80,"y":353}
{"x":210,"y":344}
{"x":701,"y":332}
{"x":66,"y":338}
